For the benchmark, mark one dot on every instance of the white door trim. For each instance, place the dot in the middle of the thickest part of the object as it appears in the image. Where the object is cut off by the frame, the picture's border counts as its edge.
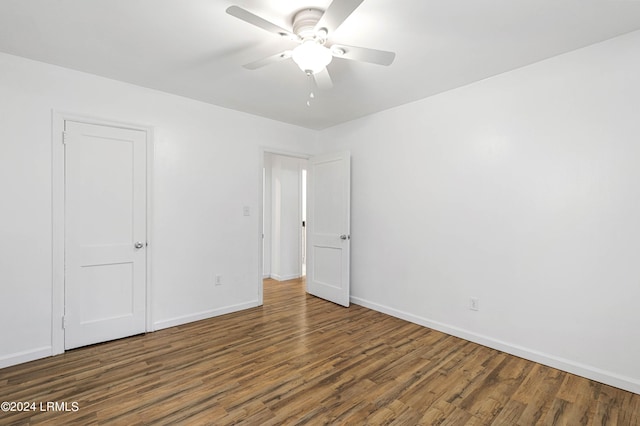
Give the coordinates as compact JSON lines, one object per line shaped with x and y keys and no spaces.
{"x":58,"y":218}
{"x":262,"y":151}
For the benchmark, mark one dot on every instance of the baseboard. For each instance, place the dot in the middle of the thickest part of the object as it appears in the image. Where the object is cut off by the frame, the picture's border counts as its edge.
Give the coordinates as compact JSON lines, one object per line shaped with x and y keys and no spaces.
{"x":25,"y":356}
{"x":587,"y":371}
{"x":172,"y":322}
{"x":285,"y":277}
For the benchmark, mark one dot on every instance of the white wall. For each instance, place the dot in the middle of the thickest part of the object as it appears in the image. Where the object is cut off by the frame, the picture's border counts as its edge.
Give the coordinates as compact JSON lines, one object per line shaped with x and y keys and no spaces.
{"x":522,"y":190}
{"x":206,"y":169}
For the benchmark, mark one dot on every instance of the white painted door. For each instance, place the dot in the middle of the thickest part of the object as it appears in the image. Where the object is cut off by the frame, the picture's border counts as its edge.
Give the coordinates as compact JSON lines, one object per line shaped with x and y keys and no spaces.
{"x":328,"y":214}
{"x":105,"y":233}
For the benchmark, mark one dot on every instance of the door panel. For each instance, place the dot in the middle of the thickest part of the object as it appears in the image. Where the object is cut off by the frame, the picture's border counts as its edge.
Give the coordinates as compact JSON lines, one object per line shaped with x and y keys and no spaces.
{"x":328,"y":213}
{"x":105,"y":215}
{"x":110,"y":282}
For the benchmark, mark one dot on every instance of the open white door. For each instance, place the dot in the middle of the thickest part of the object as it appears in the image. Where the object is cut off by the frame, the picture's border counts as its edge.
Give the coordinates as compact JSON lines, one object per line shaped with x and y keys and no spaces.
{"x":328,"y":215}
{"x":105,"y":233}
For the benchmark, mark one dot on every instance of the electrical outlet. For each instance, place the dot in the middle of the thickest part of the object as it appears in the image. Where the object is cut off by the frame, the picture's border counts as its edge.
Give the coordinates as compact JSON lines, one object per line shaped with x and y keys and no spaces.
{"x":218,"y":279}
{"x":474,"y":304}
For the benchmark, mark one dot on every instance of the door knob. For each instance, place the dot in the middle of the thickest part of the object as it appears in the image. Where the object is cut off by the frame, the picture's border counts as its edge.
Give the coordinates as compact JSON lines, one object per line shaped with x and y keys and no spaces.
{"x":139,"y":245}
{"x":343,"y":237}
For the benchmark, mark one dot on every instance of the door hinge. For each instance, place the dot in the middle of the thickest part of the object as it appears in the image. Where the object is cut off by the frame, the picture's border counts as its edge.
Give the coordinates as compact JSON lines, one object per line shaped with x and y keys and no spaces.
{"x":64,"y":322}
{"x":64,"y":138}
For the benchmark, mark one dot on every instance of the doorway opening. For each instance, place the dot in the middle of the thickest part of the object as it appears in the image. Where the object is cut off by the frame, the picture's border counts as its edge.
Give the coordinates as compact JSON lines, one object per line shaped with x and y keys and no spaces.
{"x":284,"y":216}
{"x":327,"y":232}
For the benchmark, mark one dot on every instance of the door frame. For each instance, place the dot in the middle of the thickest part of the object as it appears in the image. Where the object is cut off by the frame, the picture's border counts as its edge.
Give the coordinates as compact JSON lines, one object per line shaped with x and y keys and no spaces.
{"x":262,"y":151}
{"x":58,"y":217}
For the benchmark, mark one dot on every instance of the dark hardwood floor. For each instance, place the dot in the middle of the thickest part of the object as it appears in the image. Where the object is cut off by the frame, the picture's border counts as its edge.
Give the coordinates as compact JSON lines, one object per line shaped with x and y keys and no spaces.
{"x":302,"y":360}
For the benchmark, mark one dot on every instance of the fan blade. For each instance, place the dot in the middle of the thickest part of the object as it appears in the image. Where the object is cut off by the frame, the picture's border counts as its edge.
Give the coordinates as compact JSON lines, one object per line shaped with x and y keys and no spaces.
{"x":363,"y":54}
{"x":323,"y":79}
{"x":268,"y":60}
{"x":336,"y":13}
{"x":252,"y":19}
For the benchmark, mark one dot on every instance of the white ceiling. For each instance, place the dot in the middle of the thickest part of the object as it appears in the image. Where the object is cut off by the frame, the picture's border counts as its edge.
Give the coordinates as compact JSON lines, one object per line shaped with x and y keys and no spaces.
{"x":194,"y":49}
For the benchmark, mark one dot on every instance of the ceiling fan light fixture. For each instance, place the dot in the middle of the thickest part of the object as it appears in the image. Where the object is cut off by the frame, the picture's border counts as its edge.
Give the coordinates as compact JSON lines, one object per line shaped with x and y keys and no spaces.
{"x":311,"y":56}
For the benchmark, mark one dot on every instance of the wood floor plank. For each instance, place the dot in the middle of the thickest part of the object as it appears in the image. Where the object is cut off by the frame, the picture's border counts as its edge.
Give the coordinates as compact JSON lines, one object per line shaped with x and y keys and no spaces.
{"x":534,"y":392}
{"x":301,"y":360}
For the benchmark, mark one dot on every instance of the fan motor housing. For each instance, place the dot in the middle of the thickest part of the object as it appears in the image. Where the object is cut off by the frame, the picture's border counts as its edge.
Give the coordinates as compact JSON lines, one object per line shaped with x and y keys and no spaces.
{"x":305,"y":21}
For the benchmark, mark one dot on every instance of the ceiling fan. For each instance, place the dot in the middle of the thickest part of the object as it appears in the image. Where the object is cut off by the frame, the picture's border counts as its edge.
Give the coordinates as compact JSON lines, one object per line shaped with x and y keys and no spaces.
{"x":312,"y":28}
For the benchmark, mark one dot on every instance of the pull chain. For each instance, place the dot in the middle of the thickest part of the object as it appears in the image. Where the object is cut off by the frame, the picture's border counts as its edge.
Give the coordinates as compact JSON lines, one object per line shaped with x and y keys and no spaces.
{"x":312,"y":95}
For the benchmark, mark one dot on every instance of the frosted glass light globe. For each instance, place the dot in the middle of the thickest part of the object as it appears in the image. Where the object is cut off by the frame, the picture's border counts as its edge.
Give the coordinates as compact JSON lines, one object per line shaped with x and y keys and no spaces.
{"x":311,"y":56}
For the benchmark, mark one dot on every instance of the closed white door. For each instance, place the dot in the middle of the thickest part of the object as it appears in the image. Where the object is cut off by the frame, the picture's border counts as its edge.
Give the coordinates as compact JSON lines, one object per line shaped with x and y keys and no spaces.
{"x":328,"y":214}
{"x":105,"y":233}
